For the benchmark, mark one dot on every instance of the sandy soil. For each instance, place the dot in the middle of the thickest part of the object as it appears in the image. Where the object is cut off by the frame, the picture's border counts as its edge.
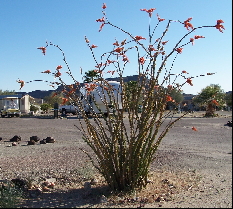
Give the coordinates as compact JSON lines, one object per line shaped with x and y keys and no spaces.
{"x":191,"y":168}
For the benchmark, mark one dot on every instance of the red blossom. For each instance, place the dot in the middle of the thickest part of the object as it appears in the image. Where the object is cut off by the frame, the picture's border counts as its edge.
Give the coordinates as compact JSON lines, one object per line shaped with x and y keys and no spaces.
{"x":197,"y":37}
{"x":110,"y":61}
{"x":100,"y":20}
{"x":160,"y":19}
{"x":54,"y":94}
{"x":168,"y":98}
{"x":104,"y":6}
{"x":219,"y":26}
{"x":64,"y":100}
{"x":187,"y":23}
{"x":189,"y":81}
{"x":59,"y":67}
{"x":141,"y":60}
{"x":184,"y":71}
{"x":93,"y":46}
{"x":116,"y":43}
{"x":87,"y":41}
{"x":139,"y":38}
{"x":215,"y":102}
{"x":179,"y":50}
{"x":21,"y":83}
{"x":164,"y":42}
{"x":192,"y":40}
{"x":119,"y":49}
{"x":149,"y":11}
{"x":57,"y":74}
{"x":125,"y":58}
{"x":101,"y":27}
{"x":46,"y":71}
{"x":194,"y":129}
{"x":43,"y":49}
{"x":220,"y":21}
{"x":151,"y":48}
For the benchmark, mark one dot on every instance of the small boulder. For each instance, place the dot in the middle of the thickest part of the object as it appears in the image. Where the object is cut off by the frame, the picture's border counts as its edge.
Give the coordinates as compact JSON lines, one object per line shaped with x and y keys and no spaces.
{"x":14,"y":144}
{"x":15,"y":138}
{"x":43,"y":141}
{"x":50,"y":139}
{"x":31,"y":142}
{"x":35,"y":138}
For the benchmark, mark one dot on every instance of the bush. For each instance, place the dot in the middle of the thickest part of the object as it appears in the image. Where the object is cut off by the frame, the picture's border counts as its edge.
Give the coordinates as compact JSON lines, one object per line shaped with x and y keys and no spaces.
{"x":125,"y":142}
{"x":10,"y":195}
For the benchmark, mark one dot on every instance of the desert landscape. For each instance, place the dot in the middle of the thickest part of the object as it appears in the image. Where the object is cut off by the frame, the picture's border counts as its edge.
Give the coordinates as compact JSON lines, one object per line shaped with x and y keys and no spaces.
{"x":191,"y":168}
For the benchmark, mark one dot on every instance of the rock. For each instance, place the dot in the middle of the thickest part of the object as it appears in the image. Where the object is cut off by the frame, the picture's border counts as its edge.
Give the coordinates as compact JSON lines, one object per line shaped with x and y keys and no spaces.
{"x":14,"y":144}
{"x":35,"y":138}
{"x":94,"y":181}
{"x":0,"y":138}
{"x":31,"y":142}
{"x":229,"y":123}
{"x":43,"y":141}
{"x":15,"y":138}
{"x":50,"y":139}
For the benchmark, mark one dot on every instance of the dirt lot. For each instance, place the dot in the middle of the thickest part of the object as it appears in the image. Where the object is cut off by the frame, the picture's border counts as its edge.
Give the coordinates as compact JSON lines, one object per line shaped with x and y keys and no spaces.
{"x":204,"y":157}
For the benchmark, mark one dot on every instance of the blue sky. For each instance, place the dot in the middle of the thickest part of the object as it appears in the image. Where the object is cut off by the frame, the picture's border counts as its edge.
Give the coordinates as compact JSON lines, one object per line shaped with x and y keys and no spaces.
{"x":27,"y":24}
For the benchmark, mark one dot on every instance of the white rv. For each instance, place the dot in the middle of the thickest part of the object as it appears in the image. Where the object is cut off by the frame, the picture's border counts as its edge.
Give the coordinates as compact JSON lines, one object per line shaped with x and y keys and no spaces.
{"x":103,"y":99}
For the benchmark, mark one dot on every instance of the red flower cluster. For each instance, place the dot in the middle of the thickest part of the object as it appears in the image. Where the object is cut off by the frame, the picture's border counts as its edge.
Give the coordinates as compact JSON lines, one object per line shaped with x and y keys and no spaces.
{"x":160,"y":19}
{"x":149,"y":11}
{"x":141,"y":60}
{"x":139,"y":38}
{"x":179,"y":50}
{"x":189,"y":81}
{"x":43,"y":49}
{"x":219,"y":25}
{"x":21,"y":83}
{"x":195,"y":37}
{"x":46,"y":71}
{"x":187,"y":23}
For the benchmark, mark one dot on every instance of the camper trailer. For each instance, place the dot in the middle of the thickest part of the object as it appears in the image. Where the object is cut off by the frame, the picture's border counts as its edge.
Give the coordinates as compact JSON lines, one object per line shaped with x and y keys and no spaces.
{"x":103,"y":99}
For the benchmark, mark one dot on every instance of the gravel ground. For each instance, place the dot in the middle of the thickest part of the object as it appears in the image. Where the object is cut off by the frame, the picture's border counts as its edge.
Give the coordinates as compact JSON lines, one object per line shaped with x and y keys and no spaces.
{"x":198,"y":163}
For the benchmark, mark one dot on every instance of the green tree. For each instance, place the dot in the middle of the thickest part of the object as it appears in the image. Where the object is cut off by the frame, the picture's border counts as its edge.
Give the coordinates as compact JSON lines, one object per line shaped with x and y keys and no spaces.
{"x":210,"y":97}
{"x":52,"y":99}
{"x":90,"y":76}
{"x":177,"y":96}
{"x":45,"y":107}
{"x":34,"y":108}
{"x":7,"y":92}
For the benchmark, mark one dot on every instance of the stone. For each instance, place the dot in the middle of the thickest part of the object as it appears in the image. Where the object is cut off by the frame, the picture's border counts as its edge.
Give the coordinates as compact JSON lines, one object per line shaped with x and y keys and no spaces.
{"x":50,"y":139}
{"x":94,"y":181}
{"x":43,"y":141}
{"x":14,"y":144}
{"x":15,"y":138}
{"x":35,"y":138}
{"x":31,"y":142}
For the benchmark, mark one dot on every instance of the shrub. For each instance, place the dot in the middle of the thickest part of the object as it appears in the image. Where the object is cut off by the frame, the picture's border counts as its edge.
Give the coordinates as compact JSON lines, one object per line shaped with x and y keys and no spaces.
{"x":124,"y":143}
